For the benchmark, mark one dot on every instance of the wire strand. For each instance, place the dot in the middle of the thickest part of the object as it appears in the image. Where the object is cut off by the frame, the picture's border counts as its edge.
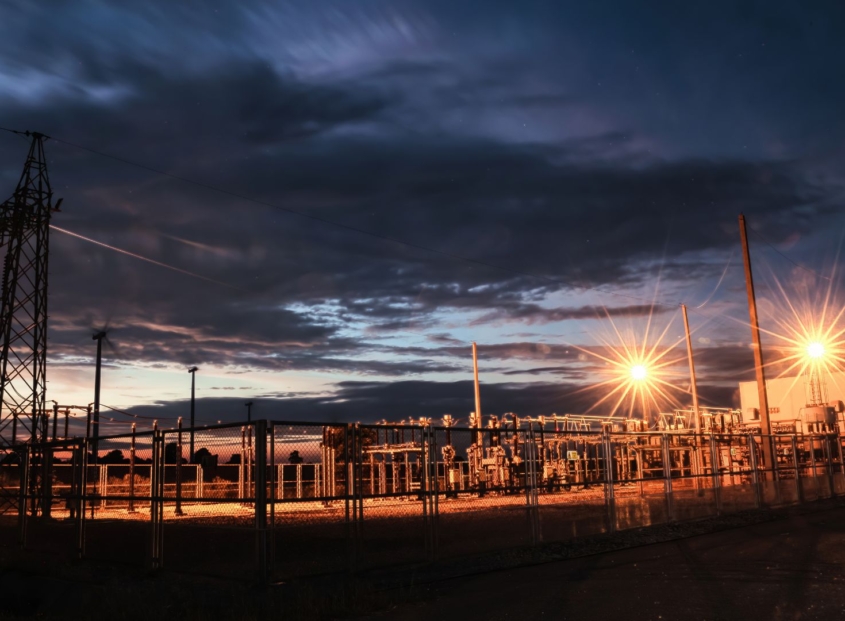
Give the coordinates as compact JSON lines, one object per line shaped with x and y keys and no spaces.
{"x":142,"y":257}
{"x":457,"y":257}
{"x":795,"y":263}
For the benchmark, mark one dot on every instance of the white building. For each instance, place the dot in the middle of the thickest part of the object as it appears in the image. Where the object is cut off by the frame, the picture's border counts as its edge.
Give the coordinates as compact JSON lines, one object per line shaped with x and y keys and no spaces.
{"x":788,"y":399}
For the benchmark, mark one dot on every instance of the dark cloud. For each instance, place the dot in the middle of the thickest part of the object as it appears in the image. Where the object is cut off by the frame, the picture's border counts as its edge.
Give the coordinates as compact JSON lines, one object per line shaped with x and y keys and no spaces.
{"x":532,"y":313}
{"x":476,"y":134}
{"x":369,"y":402}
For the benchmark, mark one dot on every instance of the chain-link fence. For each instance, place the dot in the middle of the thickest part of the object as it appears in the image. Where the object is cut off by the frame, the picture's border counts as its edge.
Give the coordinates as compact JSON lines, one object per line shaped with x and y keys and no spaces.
{"x":275,"y":499}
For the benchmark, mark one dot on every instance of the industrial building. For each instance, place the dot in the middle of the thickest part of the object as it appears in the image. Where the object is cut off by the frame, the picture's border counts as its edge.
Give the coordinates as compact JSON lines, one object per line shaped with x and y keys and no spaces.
{"x":794,"y":404}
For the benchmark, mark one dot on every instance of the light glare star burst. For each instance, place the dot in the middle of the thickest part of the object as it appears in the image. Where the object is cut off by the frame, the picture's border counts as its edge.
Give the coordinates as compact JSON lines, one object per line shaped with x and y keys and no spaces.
{"x":810,"y":338}
{"x":639,"y":369}
{"x":807,"y":328}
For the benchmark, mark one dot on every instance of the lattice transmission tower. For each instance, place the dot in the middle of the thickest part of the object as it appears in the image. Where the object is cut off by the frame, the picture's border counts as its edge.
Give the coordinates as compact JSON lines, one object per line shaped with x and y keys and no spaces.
{"x":25,"y":245}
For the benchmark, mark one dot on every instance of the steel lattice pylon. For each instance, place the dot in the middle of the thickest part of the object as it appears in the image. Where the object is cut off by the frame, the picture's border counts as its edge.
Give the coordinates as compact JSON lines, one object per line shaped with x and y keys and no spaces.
{"x":24,"y":240}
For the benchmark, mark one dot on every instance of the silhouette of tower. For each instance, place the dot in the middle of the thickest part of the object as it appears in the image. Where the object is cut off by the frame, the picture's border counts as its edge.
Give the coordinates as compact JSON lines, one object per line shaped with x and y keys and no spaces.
{"x":25,"y":245}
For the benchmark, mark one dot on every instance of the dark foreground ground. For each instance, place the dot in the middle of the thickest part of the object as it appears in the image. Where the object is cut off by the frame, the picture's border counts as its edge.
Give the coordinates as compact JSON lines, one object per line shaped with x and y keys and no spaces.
{"x":790,"y":568}
{"x":777,"y":565}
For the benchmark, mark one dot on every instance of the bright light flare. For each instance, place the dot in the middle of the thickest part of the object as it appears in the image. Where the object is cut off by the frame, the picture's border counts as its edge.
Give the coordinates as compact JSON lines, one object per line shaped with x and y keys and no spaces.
{"x":638,"y":365}
{"x":639,"y":372}
{"x":809,"y":334}
{"x":815,"y":350}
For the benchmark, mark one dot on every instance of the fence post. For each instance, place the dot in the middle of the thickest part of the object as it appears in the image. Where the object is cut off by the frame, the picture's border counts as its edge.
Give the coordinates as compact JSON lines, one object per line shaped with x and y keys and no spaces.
{"x":271,"y":558}
{"x":755,"y":475}
{"x":535,"y":482}
{"x":46,"y":480}
{"x":667,"y":478}
{"x":348,"y":440}
{"x":359,"y":492}
{"x":839,"y":451}
{"x":250,"y":462}
{"x":715,"y":471}
{"x":132,"y":472}
{"x":829,"y":457}
{"x":103,"y":473}
{"x":773,"y":451}
{"x":261,"y":498}
{"x":424,"y":494}
{"x":435,"y":512}
{"x":22,"y":495}
{"x":608,"y":476}
{"x":799,"y":487}
{"x":81,"y":480}
{"x":178,"y":510}
{"x":813,"y":461}
{"x":241,"y":467}
{"x":156,"y":501}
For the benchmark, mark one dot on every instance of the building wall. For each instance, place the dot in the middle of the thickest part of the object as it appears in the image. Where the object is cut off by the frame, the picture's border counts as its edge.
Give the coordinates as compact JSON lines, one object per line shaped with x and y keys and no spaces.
{"x":787,"y":395}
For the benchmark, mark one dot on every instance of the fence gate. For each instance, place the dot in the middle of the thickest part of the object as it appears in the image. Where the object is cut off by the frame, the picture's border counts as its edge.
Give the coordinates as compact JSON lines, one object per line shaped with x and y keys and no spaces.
{"x":51,"y":481}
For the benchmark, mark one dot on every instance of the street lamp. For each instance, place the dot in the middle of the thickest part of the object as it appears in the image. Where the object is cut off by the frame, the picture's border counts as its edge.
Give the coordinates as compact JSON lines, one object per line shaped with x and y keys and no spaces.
{"x":98,"y":336}
{"x":193,"y":372}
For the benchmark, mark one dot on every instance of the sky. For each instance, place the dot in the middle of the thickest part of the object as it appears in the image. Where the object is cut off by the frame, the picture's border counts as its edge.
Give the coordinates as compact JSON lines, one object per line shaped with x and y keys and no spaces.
{"x":359,"y":190}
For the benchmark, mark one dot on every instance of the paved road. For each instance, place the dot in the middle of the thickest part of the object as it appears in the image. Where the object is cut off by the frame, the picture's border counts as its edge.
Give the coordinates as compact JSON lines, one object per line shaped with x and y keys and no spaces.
{"x":791,"y":569}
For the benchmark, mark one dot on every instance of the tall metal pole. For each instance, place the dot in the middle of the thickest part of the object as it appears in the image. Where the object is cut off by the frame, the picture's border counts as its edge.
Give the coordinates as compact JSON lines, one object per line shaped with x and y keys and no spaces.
{"x":477,"y":387}
{"x":693,"y":386}
{"x":88,"y":422}
{"x":248,"y":405}
{"x":193,"y":372}
{"x":696,"y":456}
{"x":95,"y":430}
{"x":765,"y":425}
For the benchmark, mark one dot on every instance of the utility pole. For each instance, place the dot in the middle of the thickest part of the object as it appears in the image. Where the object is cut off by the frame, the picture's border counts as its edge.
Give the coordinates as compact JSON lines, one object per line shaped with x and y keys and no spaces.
{"x":193,"y":372}
{"x":694,"y":391}
{"x":248,"y":405}
{"x":478,"y":423}
{"x":765,"y":425}
{"x":693,"y":386}
{"x":99,"y":336}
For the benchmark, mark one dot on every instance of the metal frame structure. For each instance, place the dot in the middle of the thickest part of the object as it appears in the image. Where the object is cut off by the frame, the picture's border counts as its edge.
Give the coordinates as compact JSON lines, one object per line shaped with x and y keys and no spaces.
{"x":25,"y":240}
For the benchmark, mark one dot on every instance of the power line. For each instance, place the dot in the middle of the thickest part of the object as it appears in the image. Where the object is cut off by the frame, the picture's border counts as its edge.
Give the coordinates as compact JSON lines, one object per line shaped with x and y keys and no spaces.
{"x":795,"y":263}
{"x":142,"y":257}
{"x":119,"y":411}
{"x":550,"y":279}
